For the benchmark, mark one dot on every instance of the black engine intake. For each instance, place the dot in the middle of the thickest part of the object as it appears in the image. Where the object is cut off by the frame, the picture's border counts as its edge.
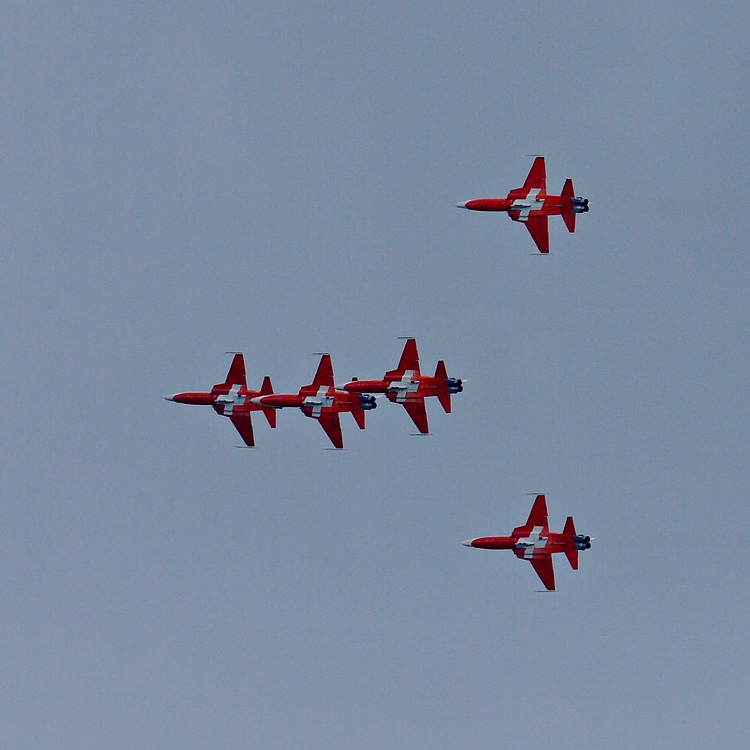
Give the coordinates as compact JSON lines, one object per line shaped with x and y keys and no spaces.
{"x":582,"y":542}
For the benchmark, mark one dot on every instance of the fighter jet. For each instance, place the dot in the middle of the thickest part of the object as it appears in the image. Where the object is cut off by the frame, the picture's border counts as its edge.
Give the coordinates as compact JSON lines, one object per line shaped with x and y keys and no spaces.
{"x":407,"y":386}
{"x":536,"y":543}
{"x":320,"y":400}
{"x":232,"y":399}
{"x":532,"y":205}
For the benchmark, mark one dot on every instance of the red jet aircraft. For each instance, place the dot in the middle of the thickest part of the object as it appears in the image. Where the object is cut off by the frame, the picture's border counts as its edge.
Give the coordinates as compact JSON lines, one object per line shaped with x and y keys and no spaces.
{"x":406,"y":385}
{"x":232,"y":399}
{"x":532,"y":205}
{"x":320,"y":400}
{"x":536,"y":543}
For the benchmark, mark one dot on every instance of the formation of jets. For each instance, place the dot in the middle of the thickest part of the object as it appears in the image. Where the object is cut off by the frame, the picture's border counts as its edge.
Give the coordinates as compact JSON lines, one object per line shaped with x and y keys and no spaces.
{"x":324,"y":401}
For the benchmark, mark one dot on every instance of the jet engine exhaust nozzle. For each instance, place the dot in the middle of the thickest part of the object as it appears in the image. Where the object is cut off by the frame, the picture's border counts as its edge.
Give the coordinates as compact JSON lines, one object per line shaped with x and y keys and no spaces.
{"x":367,"y":402}
{"x":454,"y":385}
{"x":582,"y":542}
{"x":579,"y":205}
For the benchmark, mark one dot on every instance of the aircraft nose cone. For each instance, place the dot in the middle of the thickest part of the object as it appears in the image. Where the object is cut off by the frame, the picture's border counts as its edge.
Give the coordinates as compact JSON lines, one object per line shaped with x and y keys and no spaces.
{"x":468,"y":543}
{"x":170,"y":398}
{"x":462,"y":204}
{"x":256,"y":400}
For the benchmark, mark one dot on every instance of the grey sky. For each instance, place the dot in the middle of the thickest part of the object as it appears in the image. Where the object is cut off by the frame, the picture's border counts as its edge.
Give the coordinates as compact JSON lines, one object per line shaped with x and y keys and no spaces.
{"x":184,"y":179}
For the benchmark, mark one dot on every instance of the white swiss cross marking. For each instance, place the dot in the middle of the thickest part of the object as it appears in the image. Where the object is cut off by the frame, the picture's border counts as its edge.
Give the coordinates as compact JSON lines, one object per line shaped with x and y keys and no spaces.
{"x":532,"y":541}
{"x":404,"y":386}
{"x":231,"y":399}
{"x":528,"y":204}
{"x":318,"y":401}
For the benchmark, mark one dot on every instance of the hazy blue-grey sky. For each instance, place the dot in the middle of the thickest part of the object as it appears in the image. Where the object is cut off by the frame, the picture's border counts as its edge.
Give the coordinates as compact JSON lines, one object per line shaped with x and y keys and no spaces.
{"x":183,"y":179}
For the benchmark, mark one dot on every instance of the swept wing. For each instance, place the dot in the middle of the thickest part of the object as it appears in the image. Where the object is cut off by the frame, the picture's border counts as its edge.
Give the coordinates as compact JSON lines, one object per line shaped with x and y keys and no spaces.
{"x":542,"y":564}
{"x":415,"y":409}
{"x":331,"y":423}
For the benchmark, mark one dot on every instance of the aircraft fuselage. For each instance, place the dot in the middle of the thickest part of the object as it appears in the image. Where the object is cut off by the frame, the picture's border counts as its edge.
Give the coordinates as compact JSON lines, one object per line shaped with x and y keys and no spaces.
{"x":332,"y":401}
{"x":408,"y":385}
{"x":542,"y":205}
{"x":551,"y":542}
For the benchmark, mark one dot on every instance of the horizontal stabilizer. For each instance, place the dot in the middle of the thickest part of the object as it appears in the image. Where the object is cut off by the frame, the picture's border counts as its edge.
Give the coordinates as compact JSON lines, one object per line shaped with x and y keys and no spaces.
{"x":359,"y":418}
{"x":440,"y":371}
{"x":441,"y":375}
{"x":266,"y":390}
{"x":568,"y":192}
{"x":445,"y":402}
{"x":570,"y":530}
{"x":572,"y":555}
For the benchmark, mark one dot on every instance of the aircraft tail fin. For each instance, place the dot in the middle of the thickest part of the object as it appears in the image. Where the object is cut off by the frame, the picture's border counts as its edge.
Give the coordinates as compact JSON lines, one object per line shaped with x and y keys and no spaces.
{"x":570,"y":221}
{"x":265,"y":390}
{"x":567,"y":191}
{"x":236,"y":374}
{"x":572,"y":554}
{"x":441,"y":375}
